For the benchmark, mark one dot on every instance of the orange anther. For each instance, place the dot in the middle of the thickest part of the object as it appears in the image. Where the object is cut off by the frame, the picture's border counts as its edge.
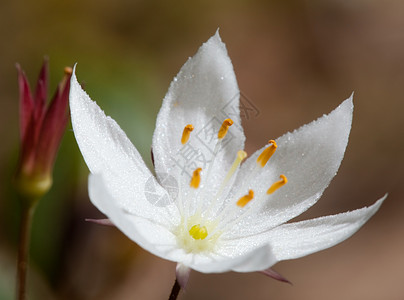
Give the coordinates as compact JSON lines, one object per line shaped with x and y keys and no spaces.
{"x":267,"y":153}
{"x":224,"y":128}
{"x":245,"y":199}
{"x":196,"y":178}
{"x":277,"y":184}
{"x":186,"y":133}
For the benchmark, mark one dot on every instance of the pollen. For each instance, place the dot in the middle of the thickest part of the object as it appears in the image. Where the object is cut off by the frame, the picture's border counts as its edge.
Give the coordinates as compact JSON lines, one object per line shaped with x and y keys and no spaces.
{"x":196,"y":178}
{"x":224,"y":128}
{"x":267,"y":153}
{"x":186,"y":133}
{"x":198,"y":232}
{"x":245,"y":199}
{"x":277,"y":184}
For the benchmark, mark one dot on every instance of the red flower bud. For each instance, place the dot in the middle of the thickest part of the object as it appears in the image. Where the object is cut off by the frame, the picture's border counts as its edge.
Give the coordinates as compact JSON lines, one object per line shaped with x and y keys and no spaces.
{"x":41,"y":130}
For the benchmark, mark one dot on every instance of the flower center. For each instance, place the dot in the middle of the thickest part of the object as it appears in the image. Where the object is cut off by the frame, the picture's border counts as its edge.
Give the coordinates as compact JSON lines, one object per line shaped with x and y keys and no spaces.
{"x":203,"y":224}
{"x":194,"y":237}
{"x":198,"y":232}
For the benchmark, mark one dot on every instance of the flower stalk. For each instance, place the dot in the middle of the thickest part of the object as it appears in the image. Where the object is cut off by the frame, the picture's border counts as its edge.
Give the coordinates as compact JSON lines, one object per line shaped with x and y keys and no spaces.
{"x":175,"y":290}
{"x":23,"y":249}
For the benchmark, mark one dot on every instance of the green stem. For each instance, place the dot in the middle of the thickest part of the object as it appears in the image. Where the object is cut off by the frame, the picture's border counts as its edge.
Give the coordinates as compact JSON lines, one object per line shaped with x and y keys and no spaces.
{"x":175,"y":291}
{"x":23,"y":248}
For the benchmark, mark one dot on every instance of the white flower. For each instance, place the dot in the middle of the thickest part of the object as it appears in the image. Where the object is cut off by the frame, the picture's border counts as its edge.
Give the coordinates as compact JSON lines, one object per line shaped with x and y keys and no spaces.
{"x":206,"y":210}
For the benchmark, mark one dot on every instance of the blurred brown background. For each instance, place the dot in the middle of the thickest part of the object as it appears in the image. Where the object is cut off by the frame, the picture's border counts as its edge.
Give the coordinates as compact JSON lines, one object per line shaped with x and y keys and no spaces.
{"x":294,"y":60}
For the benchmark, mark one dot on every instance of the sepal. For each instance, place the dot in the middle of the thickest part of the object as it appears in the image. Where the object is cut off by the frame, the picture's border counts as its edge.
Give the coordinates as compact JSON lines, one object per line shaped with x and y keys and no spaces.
{"x":182,"y":272}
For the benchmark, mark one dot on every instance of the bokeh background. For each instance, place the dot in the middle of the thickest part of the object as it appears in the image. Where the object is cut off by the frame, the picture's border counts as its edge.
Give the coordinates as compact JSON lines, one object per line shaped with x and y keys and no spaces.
{"x":294,"y":60}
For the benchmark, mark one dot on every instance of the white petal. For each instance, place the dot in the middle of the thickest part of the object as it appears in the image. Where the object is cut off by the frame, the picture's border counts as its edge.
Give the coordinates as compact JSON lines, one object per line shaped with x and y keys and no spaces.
{"x":309,"y":157}
{"x":302,"y":238}
{"x":298,"y":239}
{"x":258,"y":259}
{"x":153,"y":237}
{"x":107,"y":151}
{"x":204,"y":94}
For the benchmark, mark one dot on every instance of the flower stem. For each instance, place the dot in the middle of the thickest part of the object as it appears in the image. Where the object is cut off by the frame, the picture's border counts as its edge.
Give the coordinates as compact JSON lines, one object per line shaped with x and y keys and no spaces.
{"x":175,"y":291}
{"x":23,"y":248}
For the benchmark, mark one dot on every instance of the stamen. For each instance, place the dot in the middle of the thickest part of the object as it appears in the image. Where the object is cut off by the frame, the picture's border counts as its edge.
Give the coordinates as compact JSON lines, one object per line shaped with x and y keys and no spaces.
{"x":227,"y":215}
{"x":266,"y":154}
{"x":196,"y":178}
{"x":277,"y":184}
{"x":225,"y":127}
{"x":186,"y":133}
{"x":198,"y":232}
{"x":231,"y":218}
{"x":184,"y":139}
{"x":245,"y":199}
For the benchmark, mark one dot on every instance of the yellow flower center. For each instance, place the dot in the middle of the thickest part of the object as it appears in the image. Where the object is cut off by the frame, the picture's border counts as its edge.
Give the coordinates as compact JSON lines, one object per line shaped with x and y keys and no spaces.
{"x":194,"y":237}
{"x":198,"y":232}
